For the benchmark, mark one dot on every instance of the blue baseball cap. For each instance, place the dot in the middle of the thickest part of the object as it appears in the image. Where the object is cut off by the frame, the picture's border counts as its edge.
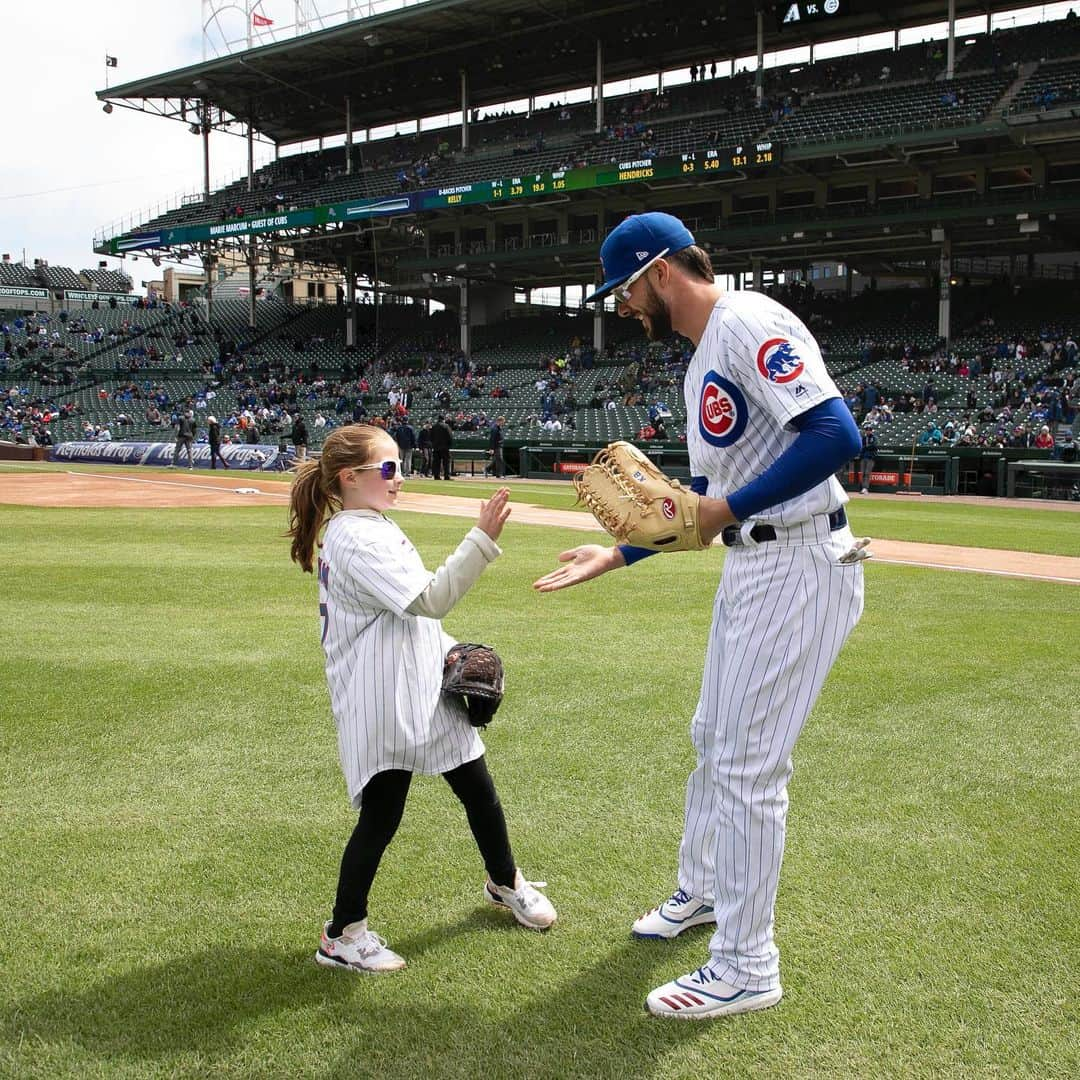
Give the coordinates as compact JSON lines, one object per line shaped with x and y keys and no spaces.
{"x":636,"y":243}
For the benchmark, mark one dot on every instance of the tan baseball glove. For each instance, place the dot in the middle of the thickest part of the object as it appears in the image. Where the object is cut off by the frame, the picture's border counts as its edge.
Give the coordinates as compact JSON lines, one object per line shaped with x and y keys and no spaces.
{"x":635,"y":502}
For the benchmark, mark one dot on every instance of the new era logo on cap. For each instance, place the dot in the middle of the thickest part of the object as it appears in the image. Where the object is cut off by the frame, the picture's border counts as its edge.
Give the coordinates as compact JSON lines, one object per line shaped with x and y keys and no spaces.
{"x":637,"y":241}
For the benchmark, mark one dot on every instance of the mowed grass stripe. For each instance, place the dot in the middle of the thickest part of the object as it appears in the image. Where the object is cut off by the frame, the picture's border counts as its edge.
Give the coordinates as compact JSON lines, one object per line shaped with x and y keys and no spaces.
{"x":174,"y":814}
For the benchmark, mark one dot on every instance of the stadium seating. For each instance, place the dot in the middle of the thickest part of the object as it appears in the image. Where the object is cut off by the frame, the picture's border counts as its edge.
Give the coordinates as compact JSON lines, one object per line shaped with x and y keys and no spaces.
{"x":894,"y":110}
{"x":296,"y":358}
{"x":1052,"y":86}
{"x":1010,"y":47}
{"x":17,"y":274}
{"x":56,"y":278}
{"x":105,"y":281}
{"x":510,"y":355}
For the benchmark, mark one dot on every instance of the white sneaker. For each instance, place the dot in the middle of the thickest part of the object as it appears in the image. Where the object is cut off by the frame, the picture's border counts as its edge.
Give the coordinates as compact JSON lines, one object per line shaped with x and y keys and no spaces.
{"x":358,"y":949}
{"x":865,"y":491}
{"x":702,"y":996}
{"x":677,"y":913}
{"x":531,"y":907}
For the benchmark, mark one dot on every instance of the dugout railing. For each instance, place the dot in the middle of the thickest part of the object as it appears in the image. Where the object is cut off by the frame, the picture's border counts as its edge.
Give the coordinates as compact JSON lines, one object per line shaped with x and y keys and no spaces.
{"x":966,"y":470}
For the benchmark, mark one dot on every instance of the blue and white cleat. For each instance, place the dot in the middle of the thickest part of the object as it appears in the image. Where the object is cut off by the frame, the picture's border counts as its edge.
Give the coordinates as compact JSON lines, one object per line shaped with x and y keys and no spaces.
{"x":677,"y":913}
{"x":702,"y":996}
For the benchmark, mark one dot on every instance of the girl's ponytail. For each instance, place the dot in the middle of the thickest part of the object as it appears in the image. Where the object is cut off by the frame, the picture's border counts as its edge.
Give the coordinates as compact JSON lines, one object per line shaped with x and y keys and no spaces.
{"x":309,"y":507}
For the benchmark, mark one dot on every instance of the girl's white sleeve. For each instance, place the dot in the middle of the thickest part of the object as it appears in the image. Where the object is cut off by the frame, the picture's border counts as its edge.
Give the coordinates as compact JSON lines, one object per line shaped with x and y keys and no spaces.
{"x":456,"y":576}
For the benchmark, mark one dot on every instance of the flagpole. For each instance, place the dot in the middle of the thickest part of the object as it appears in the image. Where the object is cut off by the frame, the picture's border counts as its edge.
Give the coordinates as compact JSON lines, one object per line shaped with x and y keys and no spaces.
{"x":250,"y":20}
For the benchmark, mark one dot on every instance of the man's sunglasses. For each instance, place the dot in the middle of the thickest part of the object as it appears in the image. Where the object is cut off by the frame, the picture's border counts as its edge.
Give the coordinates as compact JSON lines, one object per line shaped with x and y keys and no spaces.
{"x":622,"y":292}
{"x":388,"y":469}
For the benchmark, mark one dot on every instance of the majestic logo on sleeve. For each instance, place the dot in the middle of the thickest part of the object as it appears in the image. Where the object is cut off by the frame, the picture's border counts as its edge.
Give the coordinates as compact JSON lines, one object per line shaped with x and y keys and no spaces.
{"x":778,"y":361}
{"x":722,"y":414}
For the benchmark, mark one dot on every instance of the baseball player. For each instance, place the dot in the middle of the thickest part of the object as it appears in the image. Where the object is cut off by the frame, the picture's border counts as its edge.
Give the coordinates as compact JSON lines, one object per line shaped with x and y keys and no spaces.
{"x":384,"y":649}
{"x":766,"y":431}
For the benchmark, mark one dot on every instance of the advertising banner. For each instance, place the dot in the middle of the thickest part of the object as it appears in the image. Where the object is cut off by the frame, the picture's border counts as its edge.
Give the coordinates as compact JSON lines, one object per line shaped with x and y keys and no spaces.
{"x":886,"y":479}
{"x":23,"y":291}
{"x":236,"y":455}
{"x":100,"y":297}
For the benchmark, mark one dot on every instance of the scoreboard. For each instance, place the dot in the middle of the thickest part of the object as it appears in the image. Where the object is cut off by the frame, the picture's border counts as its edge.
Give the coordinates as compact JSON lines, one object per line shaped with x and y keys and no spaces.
{"x":699,"y":163}
{"x":793,"y":13}
{"x":702,"y":165}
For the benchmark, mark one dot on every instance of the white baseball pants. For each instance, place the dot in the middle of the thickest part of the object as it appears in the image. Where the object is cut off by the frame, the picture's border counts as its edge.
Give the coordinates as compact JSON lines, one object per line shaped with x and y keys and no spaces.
{"x":783,"y":610}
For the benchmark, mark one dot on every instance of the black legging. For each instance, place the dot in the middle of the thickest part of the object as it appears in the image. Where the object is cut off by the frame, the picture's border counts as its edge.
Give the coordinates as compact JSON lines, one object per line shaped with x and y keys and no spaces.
{"x":381,"y":806}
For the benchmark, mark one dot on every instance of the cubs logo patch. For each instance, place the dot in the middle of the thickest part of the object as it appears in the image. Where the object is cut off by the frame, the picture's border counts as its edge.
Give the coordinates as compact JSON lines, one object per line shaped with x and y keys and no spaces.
{"x":722,"y":414}
{"x":778,"y":361}
{"x":667,"y":508}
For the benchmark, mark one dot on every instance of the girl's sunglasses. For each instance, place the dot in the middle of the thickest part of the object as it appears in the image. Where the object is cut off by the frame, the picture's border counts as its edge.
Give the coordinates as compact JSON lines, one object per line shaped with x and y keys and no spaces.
{"x":388,"y":469}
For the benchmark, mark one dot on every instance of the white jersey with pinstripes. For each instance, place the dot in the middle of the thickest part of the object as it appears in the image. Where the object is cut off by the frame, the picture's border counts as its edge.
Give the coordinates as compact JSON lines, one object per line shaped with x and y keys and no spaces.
{"x":755,"y":369}
{"x":383,"y":665}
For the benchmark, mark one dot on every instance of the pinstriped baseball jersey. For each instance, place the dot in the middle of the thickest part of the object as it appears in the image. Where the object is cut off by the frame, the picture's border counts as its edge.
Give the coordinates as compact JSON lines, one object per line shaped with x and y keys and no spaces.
{"x":384,"y":666}
{"x":755,"y":369}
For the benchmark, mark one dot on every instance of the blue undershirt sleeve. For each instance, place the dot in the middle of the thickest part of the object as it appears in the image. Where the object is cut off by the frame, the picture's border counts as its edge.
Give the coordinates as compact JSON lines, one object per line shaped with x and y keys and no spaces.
{"x":698,"y":485}
{"x":827,"y":438}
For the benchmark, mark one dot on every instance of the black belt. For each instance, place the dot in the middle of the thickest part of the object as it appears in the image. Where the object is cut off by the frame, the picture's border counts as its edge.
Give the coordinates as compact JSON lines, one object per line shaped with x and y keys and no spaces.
{"x":732,"y":537}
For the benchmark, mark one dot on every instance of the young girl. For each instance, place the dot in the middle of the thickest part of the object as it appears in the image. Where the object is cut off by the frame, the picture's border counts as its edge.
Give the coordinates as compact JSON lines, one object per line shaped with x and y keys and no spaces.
{"x":384,"y":662}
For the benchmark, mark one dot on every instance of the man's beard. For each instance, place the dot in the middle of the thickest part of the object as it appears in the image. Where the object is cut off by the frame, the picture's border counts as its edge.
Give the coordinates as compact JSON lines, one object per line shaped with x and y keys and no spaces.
{"x":659,"y":316}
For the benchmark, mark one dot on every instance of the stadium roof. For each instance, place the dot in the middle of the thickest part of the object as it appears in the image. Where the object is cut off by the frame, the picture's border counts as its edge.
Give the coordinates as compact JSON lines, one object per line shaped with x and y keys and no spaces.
{"x":406,"y":63}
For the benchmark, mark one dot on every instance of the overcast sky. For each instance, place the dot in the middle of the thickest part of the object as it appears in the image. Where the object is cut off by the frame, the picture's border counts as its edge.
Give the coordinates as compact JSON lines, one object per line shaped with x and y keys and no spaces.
{"x":68,"y":168}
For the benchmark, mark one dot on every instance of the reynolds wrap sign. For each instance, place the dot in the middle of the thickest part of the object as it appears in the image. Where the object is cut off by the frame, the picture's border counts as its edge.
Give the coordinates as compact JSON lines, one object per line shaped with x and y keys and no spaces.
{"x":24,"y":291}
{"x":237,"y":455}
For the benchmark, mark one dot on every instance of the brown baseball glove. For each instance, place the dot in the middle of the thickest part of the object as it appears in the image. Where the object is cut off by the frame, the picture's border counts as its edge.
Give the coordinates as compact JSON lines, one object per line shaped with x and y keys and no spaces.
{"x":475,"y":674}
{"x":635,"y":502}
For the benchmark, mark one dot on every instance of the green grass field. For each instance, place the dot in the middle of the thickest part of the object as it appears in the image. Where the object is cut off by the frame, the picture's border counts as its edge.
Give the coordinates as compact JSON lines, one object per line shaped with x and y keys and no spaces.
{"x":173,"y":815}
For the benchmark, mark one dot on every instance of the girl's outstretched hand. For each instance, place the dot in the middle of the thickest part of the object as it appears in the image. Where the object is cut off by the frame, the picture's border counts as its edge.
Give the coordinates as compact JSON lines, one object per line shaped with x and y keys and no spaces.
{"x":494,"y":512}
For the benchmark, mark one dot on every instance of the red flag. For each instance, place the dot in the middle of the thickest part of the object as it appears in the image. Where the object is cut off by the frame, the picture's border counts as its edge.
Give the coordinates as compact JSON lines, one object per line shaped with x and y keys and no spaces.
{"x":261,"y":20}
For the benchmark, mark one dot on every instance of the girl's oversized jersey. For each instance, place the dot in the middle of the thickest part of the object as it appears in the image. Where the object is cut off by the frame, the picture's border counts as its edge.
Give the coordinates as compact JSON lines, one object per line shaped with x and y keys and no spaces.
{"x":756,"y":368}
{"x":384,"y":666}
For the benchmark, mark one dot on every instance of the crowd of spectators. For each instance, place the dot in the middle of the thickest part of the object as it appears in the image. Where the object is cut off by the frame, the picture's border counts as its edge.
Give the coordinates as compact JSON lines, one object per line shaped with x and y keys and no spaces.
{"x":1004,"y":392}
{"x":26,"y":417}
{"x":1025,"y":391}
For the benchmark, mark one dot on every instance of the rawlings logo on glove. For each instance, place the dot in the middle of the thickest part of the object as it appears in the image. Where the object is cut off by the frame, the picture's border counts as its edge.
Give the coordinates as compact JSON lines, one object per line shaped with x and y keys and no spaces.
{"x":636,"y":503}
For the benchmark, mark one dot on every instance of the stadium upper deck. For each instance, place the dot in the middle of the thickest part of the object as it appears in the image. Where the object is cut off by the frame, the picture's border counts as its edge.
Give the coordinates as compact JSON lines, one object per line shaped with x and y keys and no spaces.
{"x":854,"y":144}
{"x":832,"y":101}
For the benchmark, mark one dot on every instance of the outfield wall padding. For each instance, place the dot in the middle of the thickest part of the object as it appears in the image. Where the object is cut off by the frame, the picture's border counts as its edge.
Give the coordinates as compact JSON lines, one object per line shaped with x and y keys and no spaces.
{"x":237,"y":455}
